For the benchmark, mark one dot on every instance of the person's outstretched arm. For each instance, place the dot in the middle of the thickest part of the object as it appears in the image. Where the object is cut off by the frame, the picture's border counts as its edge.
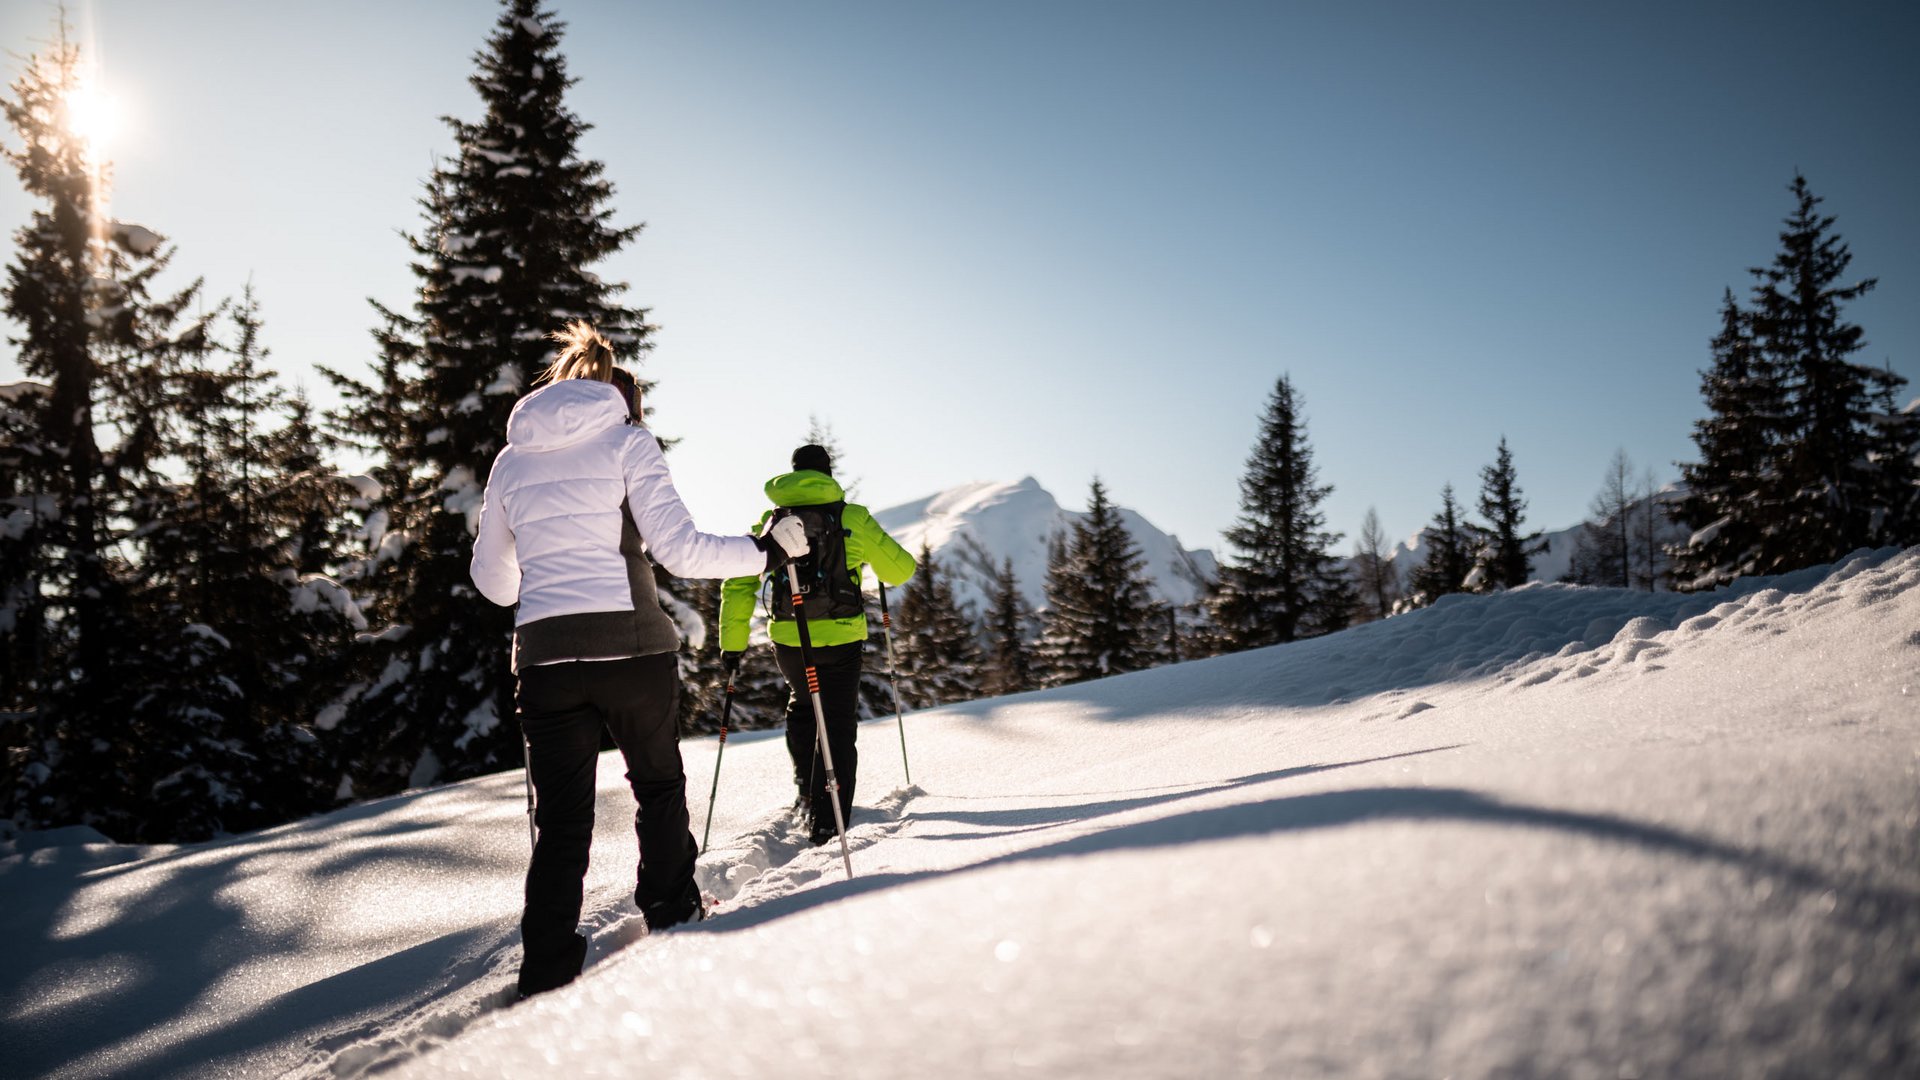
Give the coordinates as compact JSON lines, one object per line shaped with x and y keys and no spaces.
{"x":668,"y":528}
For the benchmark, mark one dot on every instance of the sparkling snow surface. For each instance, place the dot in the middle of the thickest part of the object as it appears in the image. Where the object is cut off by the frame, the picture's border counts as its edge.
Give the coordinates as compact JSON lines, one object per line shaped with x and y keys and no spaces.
{"x":1556,"y":832}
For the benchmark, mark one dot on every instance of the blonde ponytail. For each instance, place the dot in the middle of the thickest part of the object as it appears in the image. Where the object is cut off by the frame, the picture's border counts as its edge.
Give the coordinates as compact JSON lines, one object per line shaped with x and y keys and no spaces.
{"x":584,"y":354}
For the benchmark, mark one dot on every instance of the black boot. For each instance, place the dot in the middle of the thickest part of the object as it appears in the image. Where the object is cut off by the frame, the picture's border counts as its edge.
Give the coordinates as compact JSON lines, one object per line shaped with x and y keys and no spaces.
{"x":688,"y":908}
{"x":540,"y":972}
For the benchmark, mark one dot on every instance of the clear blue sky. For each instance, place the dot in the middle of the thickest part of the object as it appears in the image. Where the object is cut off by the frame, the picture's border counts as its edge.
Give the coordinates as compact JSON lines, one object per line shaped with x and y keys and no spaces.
{"x":984,"y":240}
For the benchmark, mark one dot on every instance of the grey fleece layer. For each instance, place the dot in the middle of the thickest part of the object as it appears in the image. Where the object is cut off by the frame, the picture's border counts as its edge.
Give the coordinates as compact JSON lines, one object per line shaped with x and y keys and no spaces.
{"x":604,"y":635}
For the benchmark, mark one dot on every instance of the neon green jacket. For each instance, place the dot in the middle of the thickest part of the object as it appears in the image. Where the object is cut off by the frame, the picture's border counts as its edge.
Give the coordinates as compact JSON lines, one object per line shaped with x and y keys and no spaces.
{"x":867,"y":543}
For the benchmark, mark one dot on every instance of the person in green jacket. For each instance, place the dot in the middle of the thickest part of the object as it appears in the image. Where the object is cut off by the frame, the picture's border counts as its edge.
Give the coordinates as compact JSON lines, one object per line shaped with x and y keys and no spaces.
{"x":836,"y":627}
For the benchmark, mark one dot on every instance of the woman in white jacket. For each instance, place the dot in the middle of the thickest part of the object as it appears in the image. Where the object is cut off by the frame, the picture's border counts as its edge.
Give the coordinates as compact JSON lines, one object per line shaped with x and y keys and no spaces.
{"x":575,"y":504}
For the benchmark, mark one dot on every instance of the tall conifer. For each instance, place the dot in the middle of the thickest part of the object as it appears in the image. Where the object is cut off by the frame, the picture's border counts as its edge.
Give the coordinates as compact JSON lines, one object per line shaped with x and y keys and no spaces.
{"x":1283,"y":582}
{"x":513,"y":222}
{"x":1506,"y":553}
{"x":1009,"y":657}
{"x":103,"y":343}
{"x":939,"y":661}
{"x":1101,"y":617}
{"x":1735,"y":489}
{"x":1449,"y":556}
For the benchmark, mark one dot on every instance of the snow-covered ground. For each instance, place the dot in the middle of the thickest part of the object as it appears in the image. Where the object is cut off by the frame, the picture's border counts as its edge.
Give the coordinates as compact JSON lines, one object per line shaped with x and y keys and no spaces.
{"x":1555,"y":832}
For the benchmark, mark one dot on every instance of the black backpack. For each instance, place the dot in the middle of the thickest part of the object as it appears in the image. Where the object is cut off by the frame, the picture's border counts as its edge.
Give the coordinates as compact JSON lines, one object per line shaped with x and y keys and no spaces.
{"x":832,"y":591}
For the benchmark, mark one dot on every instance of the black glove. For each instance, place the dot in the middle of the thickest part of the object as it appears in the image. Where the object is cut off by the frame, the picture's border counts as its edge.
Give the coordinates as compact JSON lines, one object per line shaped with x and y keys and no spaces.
{"x":731,"y":661}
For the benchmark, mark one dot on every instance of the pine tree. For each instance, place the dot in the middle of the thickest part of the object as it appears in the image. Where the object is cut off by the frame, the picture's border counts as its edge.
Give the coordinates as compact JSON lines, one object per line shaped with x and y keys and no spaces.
{"x":241,"y":640}
{"x":102,"y":343}
{"x":1009,"y":659}
{"x":60,"y":623}
{"x":1449,"y":555}
{"x":24,"y":506}
{"x":1803,"y":456}
{"x":1283,"y":583}
{"x":1063,"y":617}
{"x":1893,"y":449}
{"x":1734,"y":489}
{"x":1825,"y":460}
{"x":1101,"y":617}
{"x":939,"y":661}
{"x":1506,"y":558}
{"x":513,"y":222}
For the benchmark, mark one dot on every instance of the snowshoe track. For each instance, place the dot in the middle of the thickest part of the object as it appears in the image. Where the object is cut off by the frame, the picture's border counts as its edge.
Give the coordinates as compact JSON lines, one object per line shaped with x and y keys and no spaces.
{"x":771,"y":860}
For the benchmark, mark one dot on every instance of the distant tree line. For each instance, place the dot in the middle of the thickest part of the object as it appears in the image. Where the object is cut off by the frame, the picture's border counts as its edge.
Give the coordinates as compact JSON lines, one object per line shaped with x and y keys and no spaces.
{"x":206,"y":627}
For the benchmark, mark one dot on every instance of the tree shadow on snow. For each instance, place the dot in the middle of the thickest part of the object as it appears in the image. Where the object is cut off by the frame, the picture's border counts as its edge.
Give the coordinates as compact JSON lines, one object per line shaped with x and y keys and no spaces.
{"x":138,"y":947}
{"x":1030,"y":819}
{"x":1860,"y":905}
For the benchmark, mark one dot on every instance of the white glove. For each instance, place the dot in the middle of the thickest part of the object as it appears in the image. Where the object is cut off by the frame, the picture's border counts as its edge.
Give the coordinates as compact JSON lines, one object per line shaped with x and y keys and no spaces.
{"x":791,"y":535}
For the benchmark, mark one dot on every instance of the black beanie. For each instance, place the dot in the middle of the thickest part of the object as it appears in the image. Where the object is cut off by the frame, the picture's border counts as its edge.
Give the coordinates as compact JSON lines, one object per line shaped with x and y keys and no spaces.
{"x":813,"y":456}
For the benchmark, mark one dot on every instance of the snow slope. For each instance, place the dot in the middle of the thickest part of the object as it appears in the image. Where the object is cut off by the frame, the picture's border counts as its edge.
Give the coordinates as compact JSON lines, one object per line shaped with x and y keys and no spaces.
{"x":973,"y":528}
{"x":1554,"y":832}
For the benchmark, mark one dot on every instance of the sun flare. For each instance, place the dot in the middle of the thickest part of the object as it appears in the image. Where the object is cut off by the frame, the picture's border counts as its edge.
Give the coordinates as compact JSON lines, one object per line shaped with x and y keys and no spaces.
{"x":93,"y":116}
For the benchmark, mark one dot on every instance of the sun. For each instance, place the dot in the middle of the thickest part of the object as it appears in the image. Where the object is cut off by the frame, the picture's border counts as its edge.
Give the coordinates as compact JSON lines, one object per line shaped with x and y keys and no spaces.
{"x":93,"y":116}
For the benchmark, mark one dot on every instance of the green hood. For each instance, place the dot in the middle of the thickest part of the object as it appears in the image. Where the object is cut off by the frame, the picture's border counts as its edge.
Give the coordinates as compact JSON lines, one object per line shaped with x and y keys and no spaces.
{"x":804,"y":488}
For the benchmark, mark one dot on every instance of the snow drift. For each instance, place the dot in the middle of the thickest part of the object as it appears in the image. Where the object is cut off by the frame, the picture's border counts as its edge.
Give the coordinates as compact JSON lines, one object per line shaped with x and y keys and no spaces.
{"x":1557,"y":831}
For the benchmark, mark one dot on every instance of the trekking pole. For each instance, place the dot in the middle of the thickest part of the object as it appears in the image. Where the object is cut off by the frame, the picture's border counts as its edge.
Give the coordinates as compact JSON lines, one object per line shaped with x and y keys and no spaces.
{"x":726,"y":710}
{"x":526,"y":748}
{"x":819,"y":716}
{"x":893,"y":677}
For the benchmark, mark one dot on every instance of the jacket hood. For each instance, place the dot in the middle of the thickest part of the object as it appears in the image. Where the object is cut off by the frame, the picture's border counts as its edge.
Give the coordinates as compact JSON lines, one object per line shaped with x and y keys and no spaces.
{"x":804,"y":488}
{"x":563,"y":413}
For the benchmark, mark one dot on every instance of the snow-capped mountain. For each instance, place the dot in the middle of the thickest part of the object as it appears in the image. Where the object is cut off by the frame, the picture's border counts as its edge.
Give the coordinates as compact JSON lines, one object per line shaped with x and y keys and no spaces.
{"x":972,"y":529}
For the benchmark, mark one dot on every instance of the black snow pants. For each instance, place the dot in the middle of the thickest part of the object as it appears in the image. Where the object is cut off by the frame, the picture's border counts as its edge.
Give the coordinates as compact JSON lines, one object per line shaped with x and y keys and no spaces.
{"x":838,"y":667}
{"x":563,"y":708}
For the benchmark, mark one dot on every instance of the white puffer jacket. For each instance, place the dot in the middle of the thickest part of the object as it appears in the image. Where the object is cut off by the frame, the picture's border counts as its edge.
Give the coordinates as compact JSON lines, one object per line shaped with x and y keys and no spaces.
{"x":551,"y":529}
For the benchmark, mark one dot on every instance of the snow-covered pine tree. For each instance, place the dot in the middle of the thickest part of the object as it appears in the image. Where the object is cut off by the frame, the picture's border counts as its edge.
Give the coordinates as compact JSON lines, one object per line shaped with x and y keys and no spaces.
{"x":24,"y":505}
{"x":1506,"y":554}
{"x":371,"y":424}
{"x":241,"y":641}
{"x":53,"y":520}
{"x":1283,"y":583}
{"x":939,"y":661}
{"x":1449,"y":556}
{"x":1735,"y":488}
{"x":1825,"y":460}
{"x":1377,"y":580}
{"x":1101,"y":617}
{"x":1061,"y":616}
{"x":1009,"y":661}
{"x":81,"y":287}
{"x":512,"y":224}
{"x":703,"y":677}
